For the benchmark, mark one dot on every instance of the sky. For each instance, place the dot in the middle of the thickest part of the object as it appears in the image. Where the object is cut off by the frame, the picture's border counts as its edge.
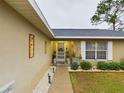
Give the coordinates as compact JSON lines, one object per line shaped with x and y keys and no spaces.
{"x":70,"y":13}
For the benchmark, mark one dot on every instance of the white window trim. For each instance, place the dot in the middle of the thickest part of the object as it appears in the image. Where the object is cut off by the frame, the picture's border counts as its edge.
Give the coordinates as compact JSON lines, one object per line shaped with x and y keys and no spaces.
{"x":83,"y":49}
{"x":110,"y":50}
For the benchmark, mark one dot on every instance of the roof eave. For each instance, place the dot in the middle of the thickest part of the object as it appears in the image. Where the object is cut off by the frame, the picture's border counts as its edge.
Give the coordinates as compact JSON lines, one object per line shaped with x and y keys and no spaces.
{"x":39,"y":12}
{"x":88,"y":37}
{"x":31,"y":12}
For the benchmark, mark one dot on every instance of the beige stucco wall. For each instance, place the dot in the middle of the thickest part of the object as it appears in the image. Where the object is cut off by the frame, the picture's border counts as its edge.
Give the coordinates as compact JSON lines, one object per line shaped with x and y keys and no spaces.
{"x":118,"y":49}
{"x":14,"y":59}
{"x":77,"y":48}
{"x":53,"y":46}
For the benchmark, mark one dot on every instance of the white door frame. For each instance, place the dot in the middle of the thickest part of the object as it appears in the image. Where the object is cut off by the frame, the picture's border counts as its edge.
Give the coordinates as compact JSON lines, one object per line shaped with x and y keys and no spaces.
{"x":61,"y":60}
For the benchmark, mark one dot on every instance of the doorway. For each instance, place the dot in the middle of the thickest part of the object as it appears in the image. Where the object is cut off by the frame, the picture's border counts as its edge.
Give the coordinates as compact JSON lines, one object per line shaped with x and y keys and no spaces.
{"x":61,"y":52}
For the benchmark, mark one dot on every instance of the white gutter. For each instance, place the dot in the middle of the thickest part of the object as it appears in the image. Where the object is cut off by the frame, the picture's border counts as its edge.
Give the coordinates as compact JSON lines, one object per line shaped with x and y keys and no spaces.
{"x":87,"y":37}
{"x":39,"y":12}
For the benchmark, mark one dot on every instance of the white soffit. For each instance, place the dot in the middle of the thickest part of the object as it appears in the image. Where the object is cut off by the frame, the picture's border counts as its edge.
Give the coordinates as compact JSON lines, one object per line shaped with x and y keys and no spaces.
{"x":30,"y":10}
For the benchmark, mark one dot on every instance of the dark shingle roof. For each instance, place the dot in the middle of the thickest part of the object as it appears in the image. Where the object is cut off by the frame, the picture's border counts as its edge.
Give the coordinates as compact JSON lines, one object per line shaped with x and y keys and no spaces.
{"x":88,"y":32}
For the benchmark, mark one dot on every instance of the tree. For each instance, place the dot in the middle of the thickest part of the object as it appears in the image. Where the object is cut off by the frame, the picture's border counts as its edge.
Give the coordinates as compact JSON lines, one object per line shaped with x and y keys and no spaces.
{"x":111,"y":12}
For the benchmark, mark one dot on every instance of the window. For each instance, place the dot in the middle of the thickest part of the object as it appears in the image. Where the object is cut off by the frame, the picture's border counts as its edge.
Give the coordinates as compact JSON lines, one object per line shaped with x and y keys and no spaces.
{"x":101,"y":50}
{"x":90,"y":50}
{"x":96,"y":50}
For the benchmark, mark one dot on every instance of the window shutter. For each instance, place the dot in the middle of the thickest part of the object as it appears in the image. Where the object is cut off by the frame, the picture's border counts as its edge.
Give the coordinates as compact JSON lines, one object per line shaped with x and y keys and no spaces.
{"x":83,"y":49}
{"x":110,"y":50}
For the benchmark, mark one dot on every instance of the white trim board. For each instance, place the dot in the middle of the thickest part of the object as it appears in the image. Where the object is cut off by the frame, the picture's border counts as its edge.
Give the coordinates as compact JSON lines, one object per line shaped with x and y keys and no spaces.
{"x":88,"y":37}
{"x":83,"y":49}
{"x":110,"y":50}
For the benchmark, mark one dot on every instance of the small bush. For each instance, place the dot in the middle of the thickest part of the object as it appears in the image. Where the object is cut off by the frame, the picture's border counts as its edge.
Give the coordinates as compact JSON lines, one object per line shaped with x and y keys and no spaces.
{"x":74,"y":66}
{"x":122,"y":65}
{"x":102,"y":65}
{"x":108,"y":66}
{"x":113,"y":66}
{"x":86,"y":65}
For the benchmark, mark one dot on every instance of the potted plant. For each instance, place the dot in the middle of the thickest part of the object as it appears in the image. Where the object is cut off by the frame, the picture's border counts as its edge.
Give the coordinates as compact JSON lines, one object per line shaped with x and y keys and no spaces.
{"x":54,"y":58}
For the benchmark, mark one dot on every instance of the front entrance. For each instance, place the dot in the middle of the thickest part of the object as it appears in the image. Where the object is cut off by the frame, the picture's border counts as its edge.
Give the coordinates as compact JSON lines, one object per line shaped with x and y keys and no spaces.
{"x":61,"y":51}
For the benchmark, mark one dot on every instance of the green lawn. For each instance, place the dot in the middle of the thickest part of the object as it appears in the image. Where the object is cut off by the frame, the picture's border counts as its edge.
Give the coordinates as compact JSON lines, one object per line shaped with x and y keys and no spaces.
{"x":93,"y":82}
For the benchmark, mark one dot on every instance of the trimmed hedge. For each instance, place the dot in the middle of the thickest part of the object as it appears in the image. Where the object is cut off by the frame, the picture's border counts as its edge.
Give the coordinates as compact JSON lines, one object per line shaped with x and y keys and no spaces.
{"x":74,"y":66}
{"x":108,"y":66}
{"x":113,"y":66}
{"x":86,"y":65}
{"x":122,"y":65}
{"x":102,"y":66}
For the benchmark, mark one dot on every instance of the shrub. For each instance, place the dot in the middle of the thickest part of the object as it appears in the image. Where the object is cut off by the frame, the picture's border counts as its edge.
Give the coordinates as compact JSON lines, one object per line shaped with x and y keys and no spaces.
{"x":113,"y":66}
{"x":122,"y":65}
{"x":86,"y":65}
{"x":74,"y":66}
{"x":102,"y":65}
{"x":108,"y":66}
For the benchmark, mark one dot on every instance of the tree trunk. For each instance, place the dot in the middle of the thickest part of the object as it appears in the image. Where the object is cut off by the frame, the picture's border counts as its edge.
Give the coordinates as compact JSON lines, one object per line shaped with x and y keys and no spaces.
{"x":114,"y":26}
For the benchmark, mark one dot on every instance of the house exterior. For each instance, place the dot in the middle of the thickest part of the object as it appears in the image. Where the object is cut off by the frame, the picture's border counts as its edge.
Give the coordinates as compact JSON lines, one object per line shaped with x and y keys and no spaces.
{"x":28,"y":43}
{"x":18,"y":22}
{"x":92,"y":44}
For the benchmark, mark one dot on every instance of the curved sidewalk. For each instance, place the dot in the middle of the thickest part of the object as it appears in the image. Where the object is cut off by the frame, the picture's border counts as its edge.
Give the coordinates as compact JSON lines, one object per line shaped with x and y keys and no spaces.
{"x":61,"y":81}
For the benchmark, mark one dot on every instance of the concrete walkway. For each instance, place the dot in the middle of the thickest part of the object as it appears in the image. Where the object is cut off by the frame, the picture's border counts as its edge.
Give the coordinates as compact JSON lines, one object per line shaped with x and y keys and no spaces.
{"x":61,"y":81}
